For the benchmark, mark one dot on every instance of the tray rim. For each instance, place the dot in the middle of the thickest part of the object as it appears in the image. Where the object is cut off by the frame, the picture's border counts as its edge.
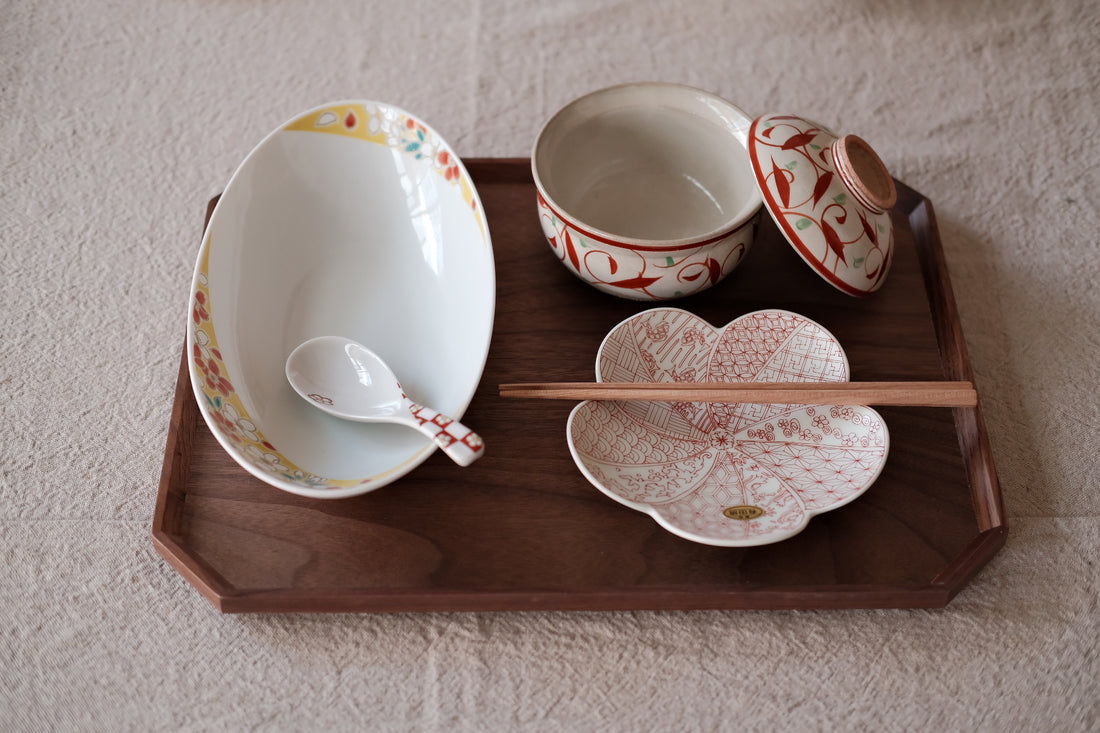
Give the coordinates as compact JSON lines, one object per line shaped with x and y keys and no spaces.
{"x":969,"y":427}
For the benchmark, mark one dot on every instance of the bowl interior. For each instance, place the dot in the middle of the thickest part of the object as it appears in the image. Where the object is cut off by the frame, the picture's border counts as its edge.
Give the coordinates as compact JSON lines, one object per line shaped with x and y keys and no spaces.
{"x":356,"y":234}
{"x":650,"y":162}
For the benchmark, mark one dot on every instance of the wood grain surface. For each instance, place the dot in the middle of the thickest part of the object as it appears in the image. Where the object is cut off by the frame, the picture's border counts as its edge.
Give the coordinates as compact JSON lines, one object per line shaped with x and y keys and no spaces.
{"x":910,"y":393}
{"x":522,"y":529}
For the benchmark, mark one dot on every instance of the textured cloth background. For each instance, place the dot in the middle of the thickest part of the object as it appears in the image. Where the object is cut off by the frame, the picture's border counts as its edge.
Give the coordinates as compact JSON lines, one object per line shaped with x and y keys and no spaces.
{"x":120,"y":119}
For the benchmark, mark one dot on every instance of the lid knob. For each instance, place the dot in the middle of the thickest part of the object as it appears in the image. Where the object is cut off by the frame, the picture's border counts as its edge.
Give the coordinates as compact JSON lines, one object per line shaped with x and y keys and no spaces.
{"x":864,"y":173}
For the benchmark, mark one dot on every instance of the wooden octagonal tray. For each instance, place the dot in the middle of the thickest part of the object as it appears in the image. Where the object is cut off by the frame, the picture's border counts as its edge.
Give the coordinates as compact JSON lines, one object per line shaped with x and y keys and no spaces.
{"x":522,"y":529}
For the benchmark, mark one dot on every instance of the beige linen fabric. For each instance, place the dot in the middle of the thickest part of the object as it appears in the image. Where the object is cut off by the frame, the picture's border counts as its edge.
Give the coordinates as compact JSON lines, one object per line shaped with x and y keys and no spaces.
{"x":119,"y":120}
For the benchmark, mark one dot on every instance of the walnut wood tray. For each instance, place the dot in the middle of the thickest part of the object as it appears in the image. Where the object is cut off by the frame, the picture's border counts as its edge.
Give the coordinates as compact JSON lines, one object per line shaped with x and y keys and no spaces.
{"x":522,"y":529}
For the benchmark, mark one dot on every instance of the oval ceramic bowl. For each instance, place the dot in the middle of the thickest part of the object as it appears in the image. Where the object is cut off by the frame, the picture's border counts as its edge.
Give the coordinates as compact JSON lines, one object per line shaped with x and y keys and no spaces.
{"x":353,"y":219}
{"x":726,"y":474}
{"x":645,"y":190}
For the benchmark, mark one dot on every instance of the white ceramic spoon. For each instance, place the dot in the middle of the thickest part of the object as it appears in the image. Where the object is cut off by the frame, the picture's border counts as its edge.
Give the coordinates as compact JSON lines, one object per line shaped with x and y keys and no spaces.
{"x":348,"y":380}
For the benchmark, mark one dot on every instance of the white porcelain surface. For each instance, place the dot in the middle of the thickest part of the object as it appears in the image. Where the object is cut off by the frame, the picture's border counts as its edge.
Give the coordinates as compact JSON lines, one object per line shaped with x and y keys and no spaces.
{"x":645,"y":190}
{"x":717,"y":473}
{"x":344,"y":378}
{"x":354,"y":219}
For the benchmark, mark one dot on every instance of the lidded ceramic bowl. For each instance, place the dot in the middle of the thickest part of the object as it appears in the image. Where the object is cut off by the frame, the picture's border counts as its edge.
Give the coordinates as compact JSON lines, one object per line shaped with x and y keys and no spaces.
{"x":645,"y":190}
{"x":652,"y":191}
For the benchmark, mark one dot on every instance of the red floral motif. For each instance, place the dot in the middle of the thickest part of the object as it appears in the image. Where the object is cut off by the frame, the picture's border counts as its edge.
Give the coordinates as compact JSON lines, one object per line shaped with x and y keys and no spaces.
{"x":657,"y":333}
{"x":767,"y":432}
{"x":695,"y":336}
{"x":199,"y":312}
{"x":215,"y":381}
{"x":207,"y":362}
{"x":221,"y":406}
{"x":449,"y":166}
{"x":226,"y":426}
{"x":792,"y":428}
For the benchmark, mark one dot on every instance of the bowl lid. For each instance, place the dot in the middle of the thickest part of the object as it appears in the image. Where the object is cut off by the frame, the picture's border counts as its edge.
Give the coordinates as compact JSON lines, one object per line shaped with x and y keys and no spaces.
{"x":830,"y":197}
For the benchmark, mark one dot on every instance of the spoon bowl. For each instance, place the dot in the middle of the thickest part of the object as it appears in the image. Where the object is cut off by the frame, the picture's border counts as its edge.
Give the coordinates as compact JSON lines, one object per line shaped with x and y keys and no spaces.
{"x":349,"y":381}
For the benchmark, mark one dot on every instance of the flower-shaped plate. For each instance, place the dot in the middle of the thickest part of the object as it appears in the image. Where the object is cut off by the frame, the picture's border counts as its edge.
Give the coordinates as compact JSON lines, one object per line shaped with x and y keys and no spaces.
{"x":719,"y":473}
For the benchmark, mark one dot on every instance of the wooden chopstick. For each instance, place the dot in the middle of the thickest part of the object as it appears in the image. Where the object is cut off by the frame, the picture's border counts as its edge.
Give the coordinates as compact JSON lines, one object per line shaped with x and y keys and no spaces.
{"x":926,"y":394}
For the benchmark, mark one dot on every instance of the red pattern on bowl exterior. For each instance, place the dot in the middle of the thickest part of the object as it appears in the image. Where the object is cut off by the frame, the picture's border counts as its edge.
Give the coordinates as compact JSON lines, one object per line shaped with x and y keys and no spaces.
{"x":645,"y":190}
{"x":644,"y":273}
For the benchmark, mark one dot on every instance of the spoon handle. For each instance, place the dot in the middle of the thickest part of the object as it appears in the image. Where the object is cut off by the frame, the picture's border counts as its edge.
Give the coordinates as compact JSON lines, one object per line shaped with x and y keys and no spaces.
{"x":463,"y":445}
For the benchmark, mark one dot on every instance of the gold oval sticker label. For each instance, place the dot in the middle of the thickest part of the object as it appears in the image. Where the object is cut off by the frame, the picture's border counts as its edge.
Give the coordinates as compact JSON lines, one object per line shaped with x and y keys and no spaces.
{"x":743,"y":512}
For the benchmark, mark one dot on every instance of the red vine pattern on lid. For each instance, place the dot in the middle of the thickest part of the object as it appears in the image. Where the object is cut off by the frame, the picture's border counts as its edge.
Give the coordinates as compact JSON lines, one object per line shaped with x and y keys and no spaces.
{"x":686,"y":462}
{"x":845,"y":241}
